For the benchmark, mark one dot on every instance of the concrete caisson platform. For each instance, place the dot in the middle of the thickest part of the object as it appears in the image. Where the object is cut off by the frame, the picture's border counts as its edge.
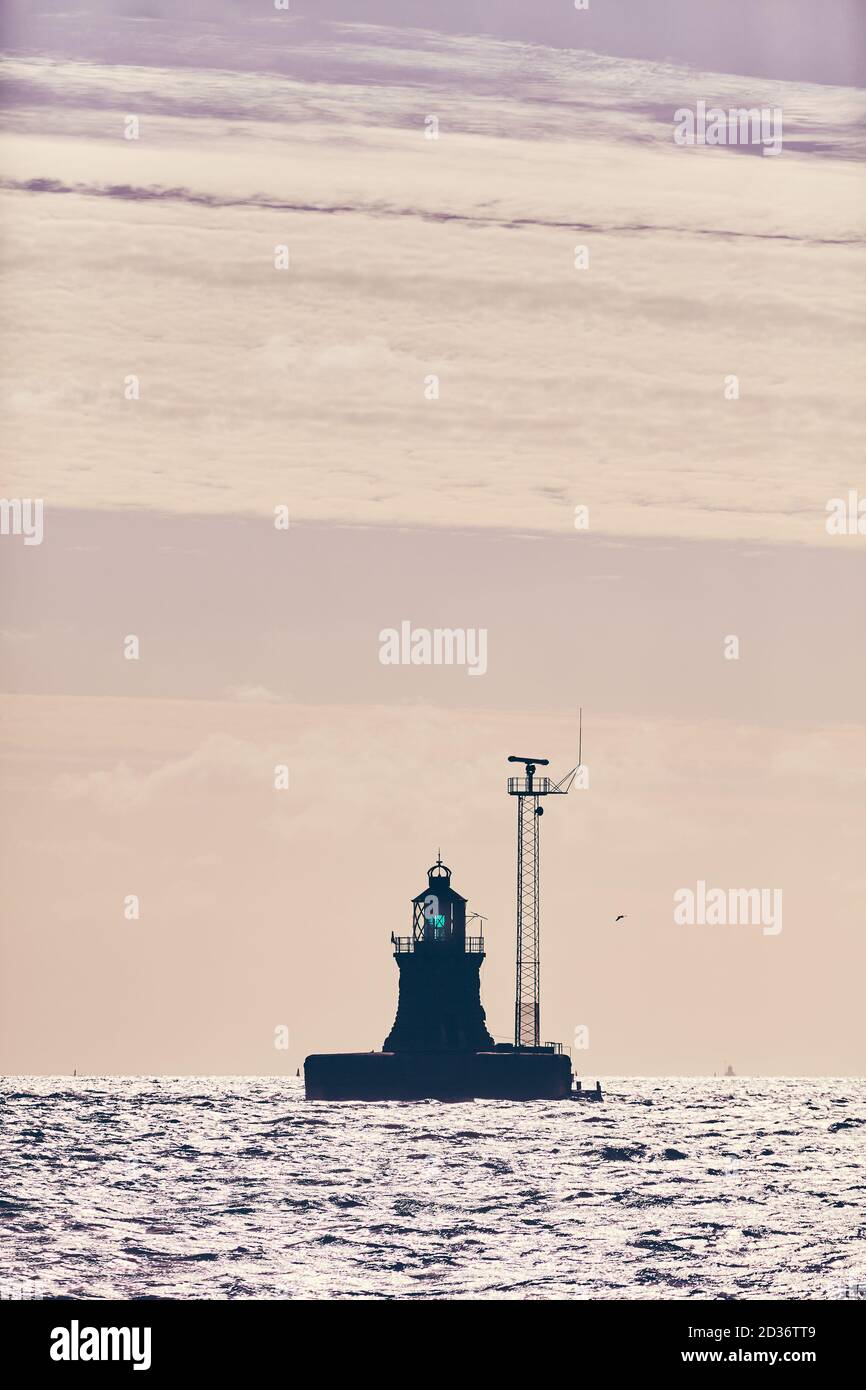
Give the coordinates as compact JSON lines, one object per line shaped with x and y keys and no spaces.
{"x":505,"y":1075}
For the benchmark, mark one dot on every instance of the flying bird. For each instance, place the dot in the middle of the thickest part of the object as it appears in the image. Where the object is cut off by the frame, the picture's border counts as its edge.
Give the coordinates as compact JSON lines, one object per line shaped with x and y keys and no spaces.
{"x":621,"y":918}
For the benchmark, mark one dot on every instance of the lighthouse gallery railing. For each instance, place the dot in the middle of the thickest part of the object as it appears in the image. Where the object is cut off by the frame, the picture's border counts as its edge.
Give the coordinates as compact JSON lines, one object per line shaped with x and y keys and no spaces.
{"x":405,"y":945}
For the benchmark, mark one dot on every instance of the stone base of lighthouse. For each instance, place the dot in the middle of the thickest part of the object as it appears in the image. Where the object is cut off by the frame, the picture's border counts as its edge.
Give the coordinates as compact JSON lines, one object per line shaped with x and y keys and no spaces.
{"x":439,"y":1007}
{"x":500,"y":1074}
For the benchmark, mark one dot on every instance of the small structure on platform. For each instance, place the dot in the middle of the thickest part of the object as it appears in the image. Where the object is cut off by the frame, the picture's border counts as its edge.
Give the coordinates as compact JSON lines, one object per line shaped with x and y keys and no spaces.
{"x":439,"y":1047}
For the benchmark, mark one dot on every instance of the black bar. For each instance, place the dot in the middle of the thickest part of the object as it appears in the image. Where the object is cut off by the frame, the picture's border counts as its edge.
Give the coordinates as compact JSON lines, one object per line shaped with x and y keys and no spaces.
{"x":219,"y":1338}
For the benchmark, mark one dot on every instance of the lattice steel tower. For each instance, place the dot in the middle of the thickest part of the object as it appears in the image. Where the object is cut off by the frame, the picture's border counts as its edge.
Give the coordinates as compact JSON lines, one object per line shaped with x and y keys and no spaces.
{"x":529,"y":790}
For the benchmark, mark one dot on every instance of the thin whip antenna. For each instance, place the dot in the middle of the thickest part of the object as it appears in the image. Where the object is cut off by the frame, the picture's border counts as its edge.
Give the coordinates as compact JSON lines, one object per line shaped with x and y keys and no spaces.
{"x":580,"y":740}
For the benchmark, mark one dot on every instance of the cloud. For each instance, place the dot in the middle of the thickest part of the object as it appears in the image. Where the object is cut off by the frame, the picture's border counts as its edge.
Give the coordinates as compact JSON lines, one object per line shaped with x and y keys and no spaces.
{"x":219,"y":767}
{"x":130,"y":193}
{"x":409,"y":257}
{"x":252,"y":694}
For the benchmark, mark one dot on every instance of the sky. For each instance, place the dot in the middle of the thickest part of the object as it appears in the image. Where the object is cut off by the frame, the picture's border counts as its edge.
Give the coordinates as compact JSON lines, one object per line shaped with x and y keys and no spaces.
{"x":606,"y":388}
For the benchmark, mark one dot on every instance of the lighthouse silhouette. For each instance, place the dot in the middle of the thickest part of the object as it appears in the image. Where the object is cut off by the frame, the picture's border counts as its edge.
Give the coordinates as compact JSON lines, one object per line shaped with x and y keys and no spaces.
{"x":439,"y":1047}
{"x":439,"y":1007}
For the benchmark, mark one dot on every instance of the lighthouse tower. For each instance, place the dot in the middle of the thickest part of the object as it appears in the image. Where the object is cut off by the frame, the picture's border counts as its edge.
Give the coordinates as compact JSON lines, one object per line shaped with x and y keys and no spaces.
{"x":439,"y":1008}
